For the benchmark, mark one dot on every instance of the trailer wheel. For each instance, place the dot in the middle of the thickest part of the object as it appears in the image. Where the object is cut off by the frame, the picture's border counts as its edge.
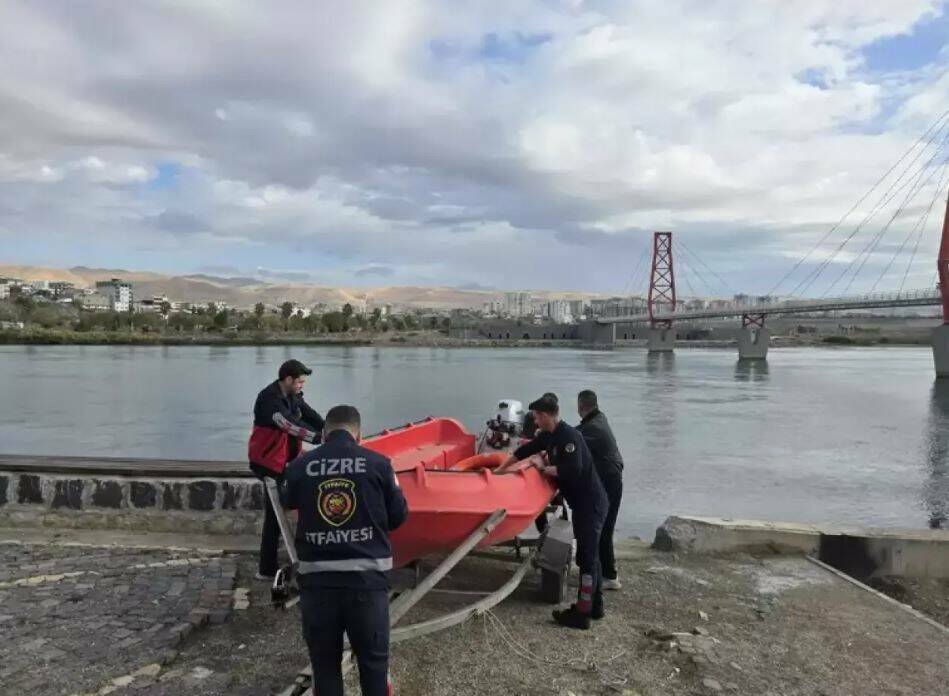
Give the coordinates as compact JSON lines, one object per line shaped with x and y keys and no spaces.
{"x":553,"y":586}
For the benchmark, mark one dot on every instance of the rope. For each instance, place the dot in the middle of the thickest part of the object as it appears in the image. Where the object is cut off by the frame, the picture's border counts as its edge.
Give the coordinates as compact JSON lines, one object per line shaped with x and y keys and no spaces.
{"x":584,"y":664}
{"x":866,"y":195}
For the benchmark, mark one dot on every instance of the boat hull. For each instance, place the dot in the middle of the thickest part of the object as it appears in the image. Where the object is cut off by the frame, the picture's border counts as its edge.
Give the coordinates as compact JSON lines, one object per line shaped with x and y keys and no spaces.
{"x":446,"y":506}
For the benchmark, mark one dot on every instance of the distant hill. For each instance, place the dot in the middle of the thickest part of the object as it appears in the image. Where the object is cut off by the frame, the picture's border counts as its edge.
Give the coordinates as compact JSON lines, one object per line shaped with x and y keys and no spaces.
{"x":244,"y":292}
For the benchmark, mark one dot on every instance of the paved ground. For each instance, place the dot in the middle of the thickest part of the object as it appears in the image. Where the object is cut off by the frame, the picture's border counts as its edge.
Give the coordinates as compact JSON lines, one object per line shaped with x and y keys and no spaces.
{"x":682,"y":626}
{"x":74,"y":619}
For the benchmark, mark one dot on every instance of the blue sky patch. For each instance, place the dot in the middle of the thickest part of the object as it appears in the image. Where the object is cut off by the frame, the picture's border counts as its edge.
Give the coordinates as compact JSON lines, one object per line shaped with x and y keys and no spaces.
{"x":912,"y":51}
{"x":511,"y":48}
{"x":168,"y":173}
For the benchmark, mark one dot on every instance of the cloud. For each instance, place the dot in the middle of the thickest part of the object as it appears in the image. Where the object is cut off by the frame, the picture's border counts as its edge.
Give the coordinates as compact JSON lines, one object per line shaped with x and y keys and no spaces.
{"x":176,"y":222}
{"x":381,"y":271}
{"x":505,"y":144}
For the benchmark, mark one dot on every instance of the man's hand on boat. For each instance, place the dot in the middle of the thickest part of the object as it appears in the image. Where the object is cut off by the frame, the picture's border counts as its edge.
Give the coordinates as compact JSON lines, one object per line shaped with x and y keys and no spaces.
{"x":537,"y":461}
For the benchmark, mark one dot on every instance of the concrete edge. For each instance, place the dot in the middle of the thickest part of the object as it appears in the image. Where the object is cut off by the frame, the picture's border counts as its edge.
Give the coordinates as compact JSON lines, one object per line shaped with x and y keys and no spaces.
{"x":915,"y":613}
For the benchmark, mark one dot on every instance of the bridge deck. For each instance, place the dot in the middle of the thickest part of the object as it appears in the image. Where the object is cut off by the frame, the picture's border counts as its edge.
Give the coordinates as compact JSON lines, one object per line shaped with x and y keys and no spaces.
{"x":912,"y":298}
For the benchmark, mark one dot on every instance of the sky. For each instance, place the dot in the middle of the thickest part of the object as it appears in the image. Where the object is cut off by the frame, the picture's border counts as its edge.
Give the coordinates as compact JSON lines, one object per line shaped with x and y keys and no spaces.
{"x":504,"y":145}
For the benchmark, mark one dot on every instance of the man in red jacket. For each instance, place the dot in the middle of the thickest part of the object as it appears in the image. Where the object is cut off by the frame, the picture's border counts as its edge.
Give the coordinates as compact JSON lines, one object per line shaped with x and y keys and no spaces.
{"x":282,"y":420}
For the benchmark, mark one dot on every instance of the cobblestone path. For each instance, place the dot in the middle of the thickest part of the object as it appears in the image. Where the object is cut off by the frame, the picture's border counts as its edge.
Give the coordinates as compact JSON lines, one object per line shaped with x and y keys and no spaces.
{"x":77,"y":620}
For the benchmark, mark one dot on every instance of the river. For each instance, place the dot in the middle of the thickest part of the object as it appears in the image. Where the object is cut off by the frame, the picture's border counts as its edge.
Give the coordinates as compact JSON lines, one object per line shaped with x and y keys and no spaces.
{"x":848,"y":435}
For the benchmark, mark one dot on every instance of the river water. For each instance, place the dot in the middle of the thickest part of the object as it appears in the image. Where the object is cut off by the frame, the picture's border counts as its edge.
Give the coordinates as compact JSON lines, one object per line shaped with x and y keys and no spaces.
{"x":848,"y":435}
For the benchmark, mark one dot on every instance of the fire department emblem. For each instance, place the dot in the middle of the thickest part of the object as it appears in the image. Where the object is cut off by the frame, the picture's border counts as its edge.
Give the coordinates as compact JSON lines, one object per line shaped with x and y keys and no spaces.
{"x":336,"y":501}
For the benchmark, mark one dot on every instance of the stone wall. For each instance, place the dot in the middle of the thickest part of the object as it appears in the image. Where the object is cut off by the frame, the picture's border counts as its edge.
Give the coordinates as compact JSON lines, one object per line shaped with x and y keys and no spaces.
{"x":198,"y":505}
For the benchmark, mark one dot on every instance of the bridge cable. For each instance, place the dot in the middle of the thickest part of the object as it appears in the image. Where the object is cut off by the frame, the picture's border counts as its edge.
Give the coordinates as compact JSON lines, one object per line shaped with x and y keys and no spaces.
{"x":870,"y":248}
{"x":874,"y":242}
{"x":691,"y":267}
{"x":636,"y":269}
{"x":866,"y":195}
{"x":939,"y":191}
{"x":916,"y":229}
{"x":888,"y":195}
{"x":696,"y":257}
{"x":898,"y":184}
{"x":685,"y":276}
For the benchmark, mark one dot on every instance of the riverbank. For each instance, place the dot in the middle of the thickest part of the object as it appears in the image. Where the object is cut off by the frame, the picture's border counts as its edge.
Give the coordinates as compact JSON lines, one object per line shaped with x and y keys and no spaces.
{"x":682,"y":625}
{"x":419,"y":339}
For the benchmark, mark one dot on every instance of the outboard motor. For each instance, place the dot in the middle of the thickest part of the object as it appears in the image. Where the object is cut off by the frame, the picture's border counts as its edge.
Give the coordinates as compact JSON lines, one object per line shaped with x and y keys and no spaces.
{"x":505,"y":427}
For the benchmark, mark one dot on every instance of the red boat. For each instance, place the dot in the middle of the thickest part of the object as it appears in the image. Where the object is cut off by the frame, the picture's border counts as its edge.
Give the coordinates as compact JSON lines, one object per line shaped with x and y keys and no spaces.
{"x":450,"y":497}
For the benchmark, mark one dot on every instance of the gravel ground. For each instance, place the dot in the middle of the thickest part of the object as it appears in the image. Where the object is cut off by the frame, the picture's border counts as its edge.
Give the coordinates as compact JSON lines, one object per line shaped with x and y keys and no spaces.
{"x":681,"y":626}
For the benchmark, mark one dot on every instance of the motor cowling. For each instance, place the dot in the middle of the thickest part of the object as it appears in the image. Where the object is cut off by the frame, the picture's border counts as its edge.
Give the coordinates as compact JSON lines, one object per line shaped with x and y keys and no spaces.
{"x":506,"y":425}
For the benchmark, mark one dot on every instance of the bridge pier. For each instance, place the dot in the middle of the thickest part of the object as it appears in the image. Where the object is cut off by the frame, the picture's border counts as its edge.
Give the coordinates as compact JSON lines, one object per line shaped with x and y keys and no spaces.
{"x":660,"y":340}
{"x":940,"y":341}
{"x":753,"y":343}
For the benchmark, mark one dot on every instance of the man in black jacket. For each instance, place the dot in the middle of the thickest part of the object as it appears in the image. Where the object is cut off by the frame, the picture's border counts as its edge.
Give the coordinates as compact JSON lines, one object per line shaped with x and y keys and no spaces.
{"x":348,"y":500}
{"x":598,"y":435}
{"x":282,"y":421}
{"x":570,"y":463}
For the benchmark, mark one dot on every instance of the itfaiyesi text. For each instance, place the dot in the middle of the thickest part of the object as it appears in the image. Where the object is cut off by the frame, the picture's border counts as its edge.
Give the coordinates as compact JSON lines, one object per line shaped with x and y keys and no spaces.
{"x":340,"y":536}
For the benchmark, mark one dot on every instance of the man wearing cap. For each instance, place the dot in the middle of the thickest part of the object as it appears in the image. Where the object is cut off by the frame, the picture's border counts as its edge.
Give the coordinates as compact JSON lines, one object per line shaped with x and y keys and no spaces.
{"x":282,"y":420}
{"x":569,"y":461}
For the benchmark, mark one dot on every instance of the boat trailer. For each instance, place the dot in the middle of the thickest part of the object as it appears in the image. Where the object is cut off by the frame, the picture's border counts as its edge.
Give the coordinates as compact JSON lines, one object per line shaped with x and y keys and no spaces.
{"x":551,"y":553}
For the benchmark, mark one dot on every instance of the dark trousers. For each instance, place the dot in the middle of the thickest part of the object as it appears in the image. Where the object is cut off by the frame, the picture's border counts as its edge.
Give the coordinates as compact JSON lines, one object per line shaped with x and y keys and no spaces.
{"x":586,"y":530}
{"x":364,"y":617}
{"x":269,"y":537}
{"x":614,"y":493}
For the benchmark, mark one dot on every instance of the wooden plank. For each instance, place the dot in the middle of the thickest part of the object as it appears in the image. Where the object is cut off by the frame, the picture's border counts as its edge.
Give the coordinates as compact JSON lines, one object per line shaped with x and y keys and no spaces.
{"x":409,"y":599}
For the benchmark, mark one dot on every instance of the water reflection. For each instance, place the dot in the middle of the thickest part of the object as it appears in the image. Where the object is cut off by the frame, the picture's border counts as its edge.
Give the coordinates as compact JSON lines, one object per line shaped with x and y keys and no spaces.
{"x":260,"y":355}
{"x":751,"y":371}
{"x":218,"y":352}
{"x":659,"y":397}
{"x":661,"y":362}
{"x":936,"y":486}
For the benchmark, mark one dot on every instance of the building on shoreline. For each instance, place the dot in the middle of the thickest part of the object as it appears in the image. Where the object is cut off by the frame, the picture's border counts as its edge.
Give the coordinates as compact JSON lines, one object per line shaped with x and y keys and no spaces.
{"x":118,"y":292}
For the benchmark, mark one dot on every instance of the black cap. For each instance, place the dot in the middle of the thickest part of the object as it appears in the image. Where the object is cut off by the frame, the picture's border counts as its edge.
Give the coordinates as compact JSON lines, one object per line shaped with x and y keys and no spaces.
{"x":293,"y":368}
{"x":545,"y":404}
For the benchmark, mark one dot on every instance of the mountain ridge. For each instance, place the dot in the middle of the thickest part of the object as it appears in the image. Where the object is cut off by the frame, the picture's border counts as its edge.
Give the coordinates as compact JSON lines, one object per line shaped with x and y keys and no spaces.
{"x":241,"y":291}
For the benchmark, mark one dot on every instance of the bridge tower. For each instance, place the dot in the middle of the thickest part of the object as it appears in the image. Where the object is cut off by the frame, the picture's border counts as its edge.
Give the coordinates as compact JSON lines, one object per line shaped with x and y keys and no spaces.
{"x":662,"y":294}
{"x":941,"y":333}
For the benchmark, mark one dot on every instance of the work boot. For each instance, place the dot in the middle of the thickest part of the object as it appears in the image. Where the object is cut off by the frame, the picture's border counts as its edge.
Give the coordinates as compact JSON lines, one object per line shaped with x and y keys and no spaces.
{"x":598,"y":612}
{"x":571,"y":618}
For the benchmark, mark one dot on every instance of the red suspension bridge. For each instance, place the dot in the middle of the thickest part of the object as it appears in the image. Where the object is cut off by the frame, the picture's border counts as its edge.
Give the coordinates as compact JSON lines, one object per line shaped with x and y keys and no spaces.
{"x":904,"y":197}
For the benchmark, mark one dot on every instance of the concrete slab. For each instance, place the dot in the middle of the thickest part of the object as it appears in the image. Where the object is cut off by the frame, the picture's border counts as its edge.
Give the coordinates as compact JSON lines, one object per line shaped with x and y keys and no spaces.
{"x":863,"y":552}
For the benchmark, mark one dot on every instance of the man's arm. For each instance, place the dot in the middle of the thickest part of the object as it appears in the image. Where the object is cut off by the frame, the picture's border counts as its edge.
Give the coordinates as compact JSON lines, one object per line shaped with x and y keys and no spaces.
{"x":568,"y":464}
{"x":397,"y":509}
{"x":283,"y":419}
{"x":311,"y":417}
{"x":526,"y":450}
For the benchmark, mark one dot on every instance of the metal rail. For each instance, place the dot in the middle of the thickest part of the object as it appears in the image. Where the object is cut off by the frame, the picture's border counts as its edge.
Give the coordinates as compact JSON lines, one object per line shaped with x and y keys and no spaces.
{"x":910,"y":298}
